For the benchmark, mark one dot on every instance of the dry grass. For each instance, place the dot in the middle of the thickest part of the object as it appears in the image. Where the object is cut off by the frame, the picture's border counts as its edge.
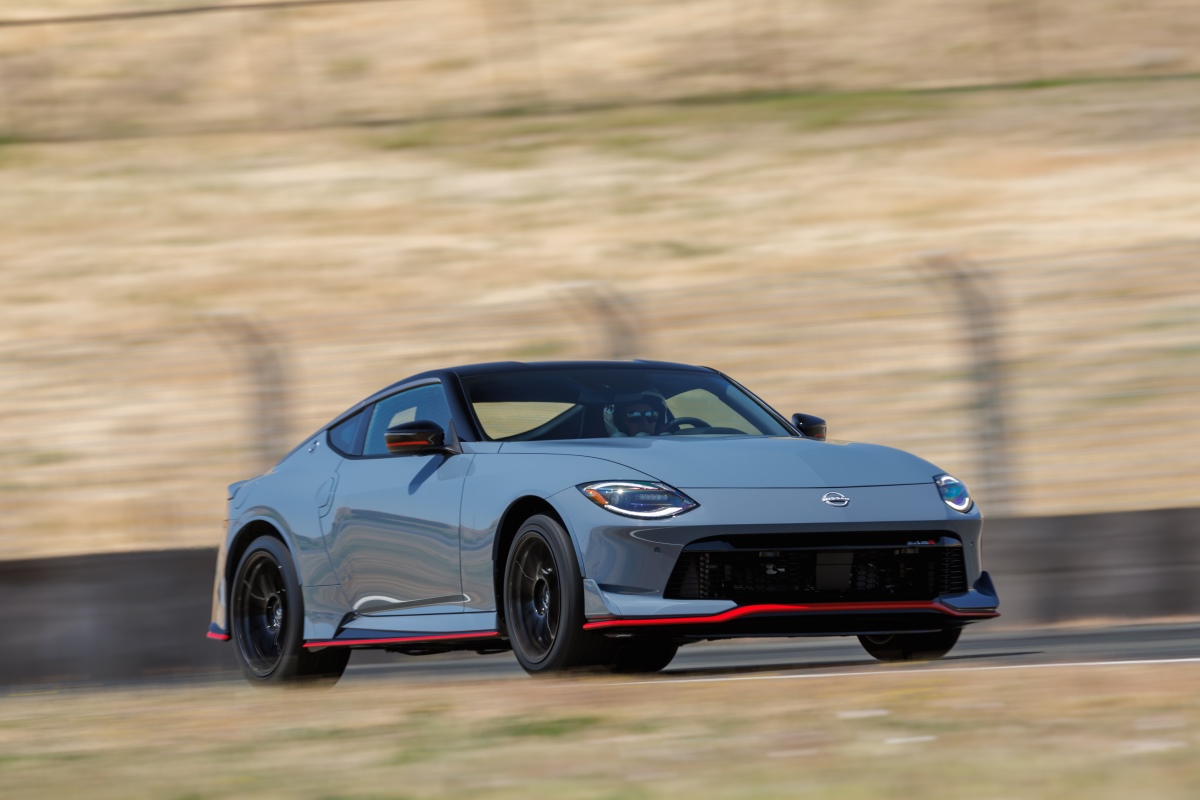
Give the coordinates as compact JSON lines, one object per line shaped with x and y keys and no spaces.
{"x":416,"y":58}
{"x":1111,"y":732}
{"x":115,"y":250}
{"x":745,"y":229}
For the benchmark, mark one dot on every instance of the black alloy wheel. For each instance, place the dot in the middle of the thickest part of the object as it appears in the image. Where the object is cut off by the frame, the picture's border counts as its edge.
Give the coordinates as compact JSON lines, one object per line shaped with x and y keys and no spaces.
{"x":543,"y":602}
{"x":535,"y":597}
{"x":911,"y":646}
{"x":260,"y":613}
{"x":267,"y":620}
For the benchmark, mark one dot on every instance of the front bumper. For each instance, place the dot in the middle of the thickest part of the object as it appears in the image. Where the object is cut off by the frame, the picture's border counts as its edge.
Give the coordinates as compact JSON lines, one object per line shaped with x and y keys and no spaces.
{"x":779,"y":562}
{"x":814,"y":619}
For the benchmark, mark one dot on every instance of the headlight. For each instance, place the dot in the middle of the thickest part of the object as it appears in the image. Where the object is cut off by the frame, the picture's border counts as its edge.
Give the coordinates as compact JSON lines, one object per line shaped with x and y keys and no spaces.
{"x":638,"y":499}
{"x":954,"y":492}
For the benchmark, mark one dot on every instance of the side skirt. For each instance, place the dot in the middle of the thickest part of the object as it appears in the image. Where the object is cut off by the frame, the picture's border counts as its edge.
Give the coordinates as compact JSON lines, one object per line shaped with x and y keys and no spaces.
{"x":474,"y":640}
{"x":417,"y":633}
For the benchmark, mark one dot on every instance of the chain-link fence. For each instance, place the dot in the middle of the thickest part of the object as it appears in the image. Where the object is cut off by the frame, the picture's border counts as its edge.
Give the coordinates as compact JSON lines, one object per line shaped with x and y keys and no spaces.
{"x":327,"y":62}
{"x":128,"y":442}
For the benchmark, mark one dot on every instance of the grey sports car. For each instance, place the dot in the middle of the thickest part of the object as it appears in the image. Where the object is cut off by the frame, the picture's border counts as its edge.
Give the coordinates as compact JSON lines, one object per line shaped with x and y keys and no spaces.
{"x":588,"y":514}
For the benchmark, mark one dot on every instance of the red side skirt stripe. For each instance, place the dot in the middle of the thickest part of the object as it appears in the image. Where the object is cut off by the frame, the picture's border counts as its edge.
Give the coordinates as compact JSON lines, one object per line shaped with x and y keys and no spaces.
{"x":745,"y":611}
{"x":220,"y":637}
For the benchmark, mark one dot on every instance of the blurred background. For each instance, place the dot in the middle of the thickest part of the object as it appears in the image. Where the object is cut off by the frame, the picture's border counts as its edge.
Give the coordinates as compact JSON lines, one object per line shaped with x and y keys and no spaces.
{"x":967,"y":229}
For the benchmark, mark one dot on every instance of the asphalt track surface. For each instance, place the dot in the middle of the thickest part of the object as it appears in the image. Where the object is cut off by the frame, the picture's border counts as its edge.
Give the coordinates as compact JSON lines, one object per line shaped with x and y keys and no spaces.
{"x":979,"y":648}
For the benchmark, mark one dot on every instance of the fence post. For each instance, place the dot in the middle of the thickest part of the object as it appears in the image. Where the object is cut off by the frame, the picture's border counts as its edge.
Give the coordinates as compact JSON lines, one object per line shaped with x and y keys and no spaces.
{"x":253,"y":73}
{"x":264,"y":365}
{"x":993,"y":38}
{"x":1036,"y":38}
{"x":303,"y":118}
{"x":537,"y":43}
{"x":977,"y":302}
{"x":490,"y":45}
{"x":615,"y":312}
{"x":56,"y":129}
{"x":8,"y":105}
{"x":783,"y":47}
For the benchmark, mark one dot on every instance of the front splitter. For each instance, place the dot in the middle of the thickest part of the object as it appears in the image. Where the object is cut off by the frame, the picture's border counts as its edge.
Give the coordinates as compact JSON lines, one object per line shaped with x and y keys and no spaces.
{"x":808,"y":619}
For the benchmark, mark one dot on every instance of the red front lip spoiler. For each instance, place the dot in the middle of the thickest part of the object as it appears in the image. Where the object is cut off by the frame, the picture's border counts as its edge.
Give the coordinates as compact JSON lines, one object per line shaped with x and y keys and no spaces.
{"x":811,"y":608}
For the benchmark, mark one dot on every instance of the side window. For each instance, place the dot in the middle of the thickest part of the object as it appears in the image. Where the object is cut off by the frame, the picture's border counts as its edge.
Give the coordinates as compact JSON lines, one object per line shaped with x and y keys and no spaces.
{"x":424,"y":402}
{"x":343,"y":437}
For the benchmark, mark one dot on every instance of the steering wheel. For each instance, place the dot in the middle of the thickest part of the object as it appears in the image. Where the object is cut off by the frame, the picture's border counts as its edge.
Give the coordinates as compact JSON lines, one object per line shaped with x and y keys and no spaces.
{"x":674,"y":425}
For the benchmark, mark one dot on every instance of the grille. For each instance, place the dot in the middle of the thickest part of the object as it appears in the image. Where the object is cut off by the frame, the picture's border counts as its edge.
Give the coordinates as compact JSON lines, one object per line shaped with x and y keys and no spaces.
{"x":841,"y":572}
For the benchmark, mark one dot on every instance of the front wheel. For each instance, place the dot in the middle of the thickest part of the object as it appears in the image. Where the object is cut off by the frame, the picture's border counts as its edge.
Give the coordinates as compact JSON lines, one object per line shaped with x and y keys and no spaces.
{"x":543,"y":601}
{"x":911,"y":646}
{"x":267,"y":618}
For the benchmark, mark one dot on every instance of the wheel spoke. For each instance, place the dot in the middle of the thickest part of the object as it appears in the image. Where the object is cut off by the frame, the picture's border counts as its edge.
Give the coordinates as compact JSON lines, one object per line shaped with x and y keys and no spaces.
{"x":250,"y":582}
{"x":265,"y":585}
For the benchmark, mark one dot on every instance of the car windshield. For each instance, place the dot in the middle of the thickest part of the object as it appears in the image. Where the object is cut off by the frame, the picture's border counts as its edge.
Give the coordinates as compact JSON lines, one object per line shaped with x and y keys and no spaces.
{"x":613,"y":402}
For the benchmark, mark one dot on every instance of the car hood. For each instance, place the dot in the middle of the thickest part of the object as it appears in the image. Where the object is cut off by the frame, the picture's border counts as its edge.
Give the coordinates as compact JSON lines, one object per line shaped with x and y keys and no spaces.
{"x":693,"y":462}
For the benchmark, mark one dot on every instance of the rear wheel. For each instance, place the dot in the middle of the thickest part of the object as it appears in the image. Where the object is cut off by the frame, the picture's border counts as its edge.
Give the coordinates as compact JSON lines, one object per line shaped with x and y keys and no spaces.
{"x":911,"y":646}
{"x":267,"y":618}
{"x":543,"y":601}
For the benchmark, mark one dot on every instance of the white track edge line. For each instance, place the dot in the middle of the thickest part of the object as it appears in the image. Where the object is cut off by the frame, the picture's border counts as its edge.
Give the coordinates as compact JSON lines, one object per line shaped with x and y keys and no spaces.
{"x":665,"y":680}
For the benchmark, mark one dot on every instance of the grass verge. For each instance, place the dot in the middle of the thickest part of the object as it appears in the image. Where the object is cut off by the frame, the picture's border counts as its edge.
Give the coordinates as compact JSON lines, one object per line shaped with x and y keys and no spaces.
{"x":1100,"y":732}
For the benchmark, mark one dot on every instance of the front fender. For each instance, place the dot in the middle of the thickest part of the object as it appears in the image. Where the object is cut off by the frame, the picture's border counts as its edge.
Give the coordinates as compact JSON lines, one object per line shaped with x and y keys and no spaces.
{"x":498,"y":480}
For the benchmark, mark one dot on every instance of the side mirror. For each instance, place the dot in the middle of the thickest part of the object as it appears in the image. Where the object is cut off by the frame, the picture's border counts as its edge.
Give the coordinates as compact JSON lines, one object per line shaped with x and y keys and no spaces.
{"x":810,"y":426}
{"x":421,"y":437}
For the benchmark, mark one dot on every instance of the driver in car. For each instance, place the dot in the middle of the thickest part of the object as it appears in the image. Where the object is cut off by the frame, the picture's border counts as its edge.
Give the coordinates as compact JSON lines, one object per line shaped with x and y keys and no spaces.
{"x":640,"y":416}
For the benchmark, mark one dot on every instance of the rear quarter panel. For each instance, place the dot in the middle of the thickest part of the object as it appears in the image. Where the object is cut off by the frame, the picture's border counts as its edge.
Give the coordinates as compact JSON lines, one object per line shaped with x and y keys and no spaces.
{"x":286,"y":499}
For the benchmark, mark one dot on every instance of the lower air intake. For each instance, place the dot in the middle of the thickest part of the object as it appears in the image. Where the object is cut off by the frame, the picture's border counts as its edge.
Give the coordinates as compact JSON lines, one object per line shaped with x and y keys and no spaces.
{"x":830,"y":573}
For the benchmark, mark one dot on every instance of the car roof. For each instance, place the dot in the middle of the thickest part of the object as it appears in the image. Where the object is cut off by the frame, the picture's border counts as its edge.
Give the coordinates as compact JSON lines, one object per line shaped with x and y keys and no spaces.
{"x":493,"y":367}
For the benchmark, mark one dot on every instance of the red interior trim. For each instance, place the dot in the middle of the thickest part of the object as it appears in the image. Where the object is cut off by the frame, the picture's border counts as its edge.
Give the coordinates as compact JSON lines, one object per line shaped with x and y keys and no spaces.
{"x":220,"y":637}
{"x":401,"y":639}
{"x":745,"y":611}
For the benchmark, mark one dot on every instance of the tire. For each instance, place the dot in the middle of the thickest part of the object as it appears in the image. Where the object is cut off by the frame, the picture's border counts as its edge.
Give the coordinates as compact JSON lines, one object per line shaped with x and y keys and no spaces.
{"x":543,"y":602}
{"x":911,"y":646}
{"x":267,"y":621}
{"x":644,"y":656}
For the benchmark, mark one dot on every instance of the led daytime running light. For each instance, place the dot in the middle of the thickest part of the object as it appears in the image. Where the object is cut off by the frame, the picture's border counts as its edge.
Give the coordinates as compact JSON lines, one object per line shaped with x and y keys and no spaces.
{"x":954,"y":493}
{"x":643,"y":500}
